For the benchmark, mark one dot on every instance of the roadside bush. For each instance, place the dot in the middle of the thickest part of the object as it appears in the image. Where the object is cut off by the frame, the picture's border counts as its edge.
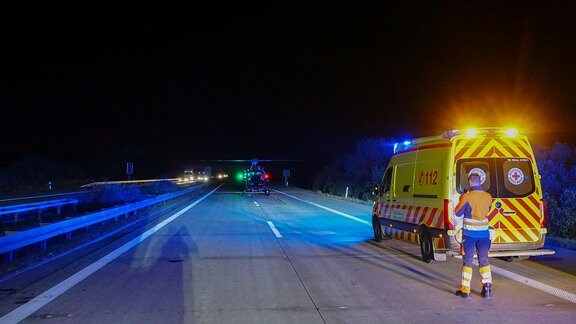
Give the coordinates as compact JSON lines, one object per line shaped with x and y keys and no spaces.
{"x":562,"y":217}
{"x":358,"y":172}
{"x":106,"y":196}
{"x":118,"y":194}
{"x":556,"y":165}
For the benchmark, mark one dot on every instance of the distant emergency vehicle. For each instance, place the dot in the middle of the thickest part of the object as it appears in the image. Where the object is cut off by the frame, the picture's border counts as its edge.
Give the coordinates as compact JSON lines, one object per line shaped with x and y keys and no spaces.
{"x":425,"y":178}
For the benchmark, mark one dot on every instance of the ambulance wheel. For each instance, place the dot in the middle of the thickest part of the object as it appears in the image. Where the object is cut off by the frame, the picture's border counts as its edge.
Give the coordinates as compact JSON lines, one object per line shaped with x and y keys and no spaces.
{"x":377,"y":229}
{"x":426,"y":246}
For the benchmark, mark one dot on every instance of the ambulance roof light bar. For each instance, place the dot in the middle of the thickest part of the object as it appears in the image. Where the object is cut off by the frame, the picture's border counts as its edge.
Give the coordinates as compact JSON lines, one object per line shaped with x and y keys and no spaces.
{"x":473,"y":132}
{"x":451,"y":133}
{"x":511,"y":132}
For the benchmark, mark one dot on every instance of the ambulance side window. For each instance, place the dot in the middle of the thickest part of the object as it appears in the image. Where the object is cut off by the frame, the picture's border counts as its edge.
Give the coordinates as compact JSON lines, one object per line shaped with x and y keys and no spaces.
{"x":403,"y":180}
{"x":386,"y":182}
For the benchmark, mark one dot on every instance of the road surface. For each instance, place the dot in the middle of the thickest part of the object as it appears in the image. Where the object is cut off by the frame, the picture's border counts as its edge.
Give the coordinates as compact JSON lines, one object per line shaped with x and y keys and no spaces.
{"x":291,"y":257}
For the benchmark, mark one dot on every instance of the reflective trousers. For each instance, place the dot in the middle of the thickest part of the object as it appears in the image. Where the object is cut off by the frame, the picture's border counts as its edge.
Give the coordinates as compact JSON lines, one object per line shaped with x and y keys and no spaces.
{"x":469,"y":247}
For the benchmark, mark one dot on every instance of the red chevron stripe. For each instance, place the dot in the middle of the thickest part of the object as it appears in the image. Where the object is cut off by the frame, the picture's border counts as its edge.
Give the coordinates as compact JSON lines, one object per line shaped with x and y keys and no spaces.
{"x":409,"y":213}
{"x":414,"y":217}
{"x":523,"y":150}
{"x":439,"y":219}
{"x":512,"y":236}
{"x":423,"y":215}
{"x":478,"y":149}
{"x":493,"y":213}
{"x":428,"y":217}
{"x":431,"y":221}
{"x":499,"y":153}
{"x":417,"y":212}
{"x":523,"y":217}
{"x":463,"y":150}
{"x":534,"y":201}
{"x":529,"y":211}
{"x":522,"y":229}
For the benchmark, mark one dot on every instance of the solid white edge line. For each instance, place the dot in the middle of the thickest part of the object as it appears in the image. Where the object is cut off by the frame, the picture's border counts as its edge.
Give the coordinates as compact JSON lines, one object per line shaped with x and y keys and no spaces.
{"x":511,"y":275}
{"x":273,"y":228}
{"x":535,"y":284}
{"x":46,"y":297}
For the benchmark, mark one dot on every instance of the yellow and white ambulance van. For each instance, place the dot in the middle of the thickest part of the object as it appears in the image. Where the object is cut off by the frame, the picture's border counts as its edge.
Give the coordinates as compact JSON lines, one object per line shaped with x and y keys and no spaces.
{"x":425,"y":177}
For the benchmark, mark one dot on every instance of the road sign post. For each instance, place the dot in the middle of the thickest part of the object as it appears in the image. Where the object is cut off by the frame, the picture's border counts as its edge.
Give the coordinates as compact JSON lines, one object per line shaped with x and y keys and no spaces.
{"x":286,"y":175}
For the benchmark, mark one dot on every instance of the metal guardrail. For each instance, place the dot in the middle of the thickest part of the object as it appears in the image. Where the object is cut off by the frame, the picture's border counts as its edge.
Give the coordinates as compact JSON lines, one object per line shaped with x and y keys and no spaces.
{"x":101,"y":183}
{"x":39,"y":206}
{"x":8,"y":244}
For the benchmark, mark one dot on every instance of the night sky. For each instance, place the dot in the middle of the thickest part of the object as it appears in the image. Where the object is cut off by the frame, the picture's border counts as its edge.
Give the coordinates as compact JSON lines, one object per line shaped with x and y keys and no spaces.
{"x":168,"y":85}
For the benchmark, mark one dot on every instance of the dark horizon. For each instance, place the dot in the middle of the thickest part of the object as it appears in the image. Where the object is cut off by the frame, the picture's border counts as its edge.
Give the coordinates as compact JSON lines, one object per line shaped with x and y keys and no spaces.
{"x":169,"y":86}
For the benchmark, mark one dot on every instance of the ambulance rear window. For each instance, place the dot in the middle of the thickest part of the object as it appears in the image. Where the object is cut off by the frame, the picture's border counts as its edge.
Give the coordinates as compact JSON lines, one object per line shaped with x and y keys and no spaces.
{"x":517,"y":177}
{"x":480,"y":167}
{"x":501,"y":177}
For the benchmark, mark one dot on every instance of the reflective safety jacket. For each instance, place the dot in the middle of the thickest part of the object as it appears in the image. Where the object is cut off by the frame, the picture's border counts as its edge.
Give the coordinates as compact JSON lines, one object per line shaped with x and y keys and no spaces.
{"x":474,"y":206}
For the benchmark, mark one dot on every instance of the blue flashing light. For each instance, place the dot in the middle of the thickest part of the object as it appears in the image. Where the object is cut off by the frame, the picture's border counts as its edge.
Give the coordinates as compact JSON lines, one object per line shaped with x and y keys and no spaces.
{"x":402,"y":146}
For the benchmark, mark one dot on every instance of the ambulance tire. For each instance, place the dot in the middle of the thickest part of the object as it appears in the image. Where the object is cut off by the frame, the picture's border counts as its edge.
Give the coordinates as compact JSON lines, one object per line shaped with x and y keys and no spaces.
{"x":377,"y":229}
{"x":426,"y":246}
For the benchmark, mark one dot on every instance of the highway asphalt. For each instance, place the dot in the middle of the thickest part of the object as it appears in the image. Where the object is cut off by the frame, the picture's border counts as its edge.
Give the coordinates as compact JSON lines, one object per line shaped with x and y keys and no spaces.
{"x":292,"y":257}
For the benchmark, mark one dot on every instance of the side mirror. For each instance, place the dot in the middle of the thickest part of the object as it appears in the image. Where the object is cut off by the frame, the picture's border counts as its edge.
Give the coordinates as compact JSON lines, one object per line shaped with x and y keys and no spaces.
{"x":375,"y":190}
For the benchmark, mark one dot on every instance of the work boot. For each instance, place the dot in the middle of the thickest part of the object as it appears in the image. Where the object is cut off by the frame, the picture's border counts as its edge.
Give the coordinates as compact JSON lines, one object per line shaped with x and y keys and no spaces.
{"x":486,"y":291}
{"x":462,"y":294}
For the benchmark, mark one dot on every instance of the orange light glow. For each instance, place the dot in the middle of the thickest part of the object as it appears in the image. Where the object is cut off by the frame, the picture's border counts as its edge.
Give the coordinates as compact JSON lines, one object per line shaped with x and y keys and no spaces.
{"x":471,"y":132}
{"x":511,"y":132}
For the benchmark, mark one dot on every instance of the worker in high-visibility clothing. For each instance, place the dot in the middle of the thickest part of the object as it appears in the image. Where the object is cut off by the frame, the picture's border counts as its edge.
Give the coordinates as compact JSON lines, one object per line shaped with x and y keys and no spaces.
{"x":474,"y":206}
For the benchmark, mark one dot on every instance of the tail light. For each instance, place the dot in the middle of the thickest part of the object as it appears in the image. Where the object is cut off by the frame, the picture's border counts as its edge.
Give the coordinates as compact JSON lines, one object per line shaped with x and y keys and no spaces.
{"x":543,"y":216}
{"x":447,"y":213}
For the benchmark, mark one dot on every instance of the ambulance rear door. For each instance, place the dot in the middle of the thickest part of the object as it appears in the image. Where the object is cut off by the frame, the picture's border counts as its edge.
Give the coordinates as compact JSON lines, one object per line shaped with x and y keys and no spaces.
{"x":515,"y":211}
